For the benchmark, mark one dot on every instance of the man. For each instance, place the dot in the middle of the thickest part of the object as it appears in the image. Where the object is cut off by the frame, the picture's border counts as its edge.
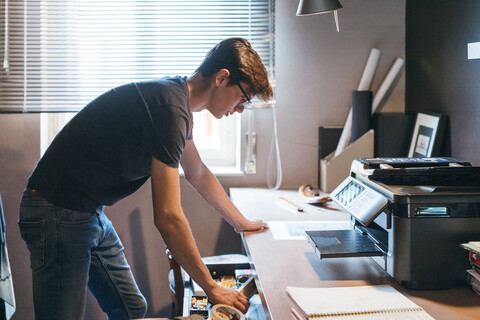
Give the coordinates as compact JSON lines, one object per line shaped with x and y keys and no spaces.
{"x":105,"y":153}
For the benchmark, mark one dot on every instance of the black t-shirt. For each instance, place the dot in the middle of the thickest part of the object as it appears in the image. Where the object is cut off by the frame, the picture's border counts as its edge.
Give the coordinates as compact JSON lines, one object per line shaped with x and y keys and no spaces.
{"x":105,"y":152}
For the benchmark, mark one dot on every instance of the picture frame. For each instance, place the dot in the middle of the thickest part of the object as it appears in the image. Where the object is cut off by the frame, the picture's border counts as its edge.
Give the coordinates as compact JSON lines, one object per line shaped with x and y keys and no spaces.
{"x":428,"y":134}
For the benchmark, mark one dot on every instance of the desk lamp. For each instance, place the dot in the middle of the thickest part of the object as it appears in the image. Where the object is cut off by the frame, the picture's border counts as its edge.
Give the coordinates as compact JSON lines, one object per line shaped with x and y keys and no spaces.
{"x":308,"y":7}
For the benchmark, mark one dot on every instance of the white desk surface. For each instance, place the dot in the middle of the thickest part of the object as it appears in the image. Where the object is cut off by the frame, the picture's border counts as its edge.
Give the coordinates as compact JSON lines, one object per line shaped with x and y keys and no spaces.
{"x":282,"y":263}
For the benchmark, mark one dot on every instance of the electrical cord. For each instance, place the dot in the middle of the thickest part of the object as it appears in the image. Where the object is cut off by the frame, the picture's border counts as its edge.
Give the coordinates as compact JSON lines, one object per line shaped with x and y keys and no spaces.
{"x":274,"y":148}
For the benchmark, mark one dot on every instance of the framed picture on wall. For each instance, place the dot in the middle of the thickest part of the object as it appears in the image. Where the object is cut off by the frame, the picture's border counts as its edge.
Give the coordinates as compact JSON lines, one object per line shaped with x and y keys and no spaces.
{"x":427,"y":135}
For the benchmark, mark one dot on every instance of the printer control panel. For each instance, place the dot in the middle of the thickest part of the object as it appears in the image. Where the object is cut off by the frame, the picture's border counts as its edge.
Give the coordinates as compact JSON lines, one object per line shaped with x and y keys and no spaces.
{"x":362,"y":202}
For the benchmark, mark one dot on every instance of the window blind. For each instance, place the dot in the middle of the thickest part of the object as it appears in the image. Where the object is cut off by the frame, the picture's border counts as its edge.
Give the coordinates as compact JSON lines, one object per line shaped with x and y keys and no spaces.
{"x":58,"y":55}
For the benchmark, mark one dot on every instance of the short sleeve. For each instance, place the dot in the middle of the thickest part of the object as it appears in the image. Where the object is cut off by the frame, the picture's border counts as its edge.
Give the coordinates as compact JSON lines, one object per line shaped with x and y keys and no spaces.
{"x":170,"y":130}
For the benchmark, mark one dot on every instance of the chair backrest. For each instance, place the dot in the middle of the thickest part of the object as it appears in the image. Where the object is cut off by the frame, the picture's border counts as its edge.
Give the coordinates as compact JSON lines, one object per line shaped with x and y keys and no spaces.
{"x":179,"y":290}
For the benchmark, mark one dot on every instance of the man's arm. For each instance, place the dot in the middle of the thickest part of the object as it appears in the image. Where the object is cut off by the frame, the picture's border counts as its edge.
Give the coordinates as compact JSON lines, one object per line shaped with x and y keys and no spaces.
{"x":203,"y":180}
{"x":175,"y":230}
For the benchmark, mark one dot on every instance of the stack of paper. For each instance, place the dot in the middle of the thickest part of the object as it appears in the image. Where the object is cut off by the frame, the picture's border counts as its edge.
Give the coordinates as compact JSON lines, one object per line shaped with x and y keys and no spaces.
{"x":474,"y":257}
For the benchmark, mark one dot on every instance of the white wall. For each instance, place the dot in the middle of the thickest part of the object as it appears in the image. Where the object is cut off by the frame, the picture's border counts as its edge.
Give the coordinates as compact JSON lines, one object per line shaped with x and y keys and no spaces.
{"x":316,"y":71}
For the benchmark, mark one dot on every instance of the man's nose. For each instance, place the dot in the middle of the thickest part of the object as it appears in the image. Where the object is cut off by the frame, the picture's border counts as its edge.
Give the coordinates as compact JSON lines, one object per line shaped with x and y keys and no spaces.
{"x":239,"y":108}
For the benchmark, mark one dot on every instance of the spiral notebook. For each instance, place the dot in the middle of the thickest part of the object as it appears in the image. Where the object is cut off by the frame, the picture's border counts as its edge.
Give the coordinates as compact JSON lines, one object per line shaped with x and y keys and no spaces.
{"x":362,"y":302}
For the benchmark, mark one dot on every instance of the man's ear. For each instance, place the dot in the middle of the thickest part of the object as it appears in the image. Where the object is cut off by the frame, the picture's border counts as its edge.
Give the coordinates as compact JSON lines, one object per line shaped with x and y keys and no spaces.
{"x":221,"y":76}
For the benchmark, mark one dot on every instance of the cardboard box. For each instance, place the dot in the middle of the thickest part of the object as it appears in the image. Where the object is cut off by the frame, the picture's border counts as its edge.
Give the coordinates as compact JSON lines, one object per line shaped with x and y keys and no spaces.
{"x":335,"y":169}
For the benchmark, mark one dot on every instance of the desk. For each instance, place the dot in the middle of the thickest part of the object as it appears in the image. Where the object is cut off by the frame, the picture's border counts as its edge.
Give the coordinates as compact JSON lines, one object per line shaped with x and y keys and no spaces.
{"x":282,"y":263}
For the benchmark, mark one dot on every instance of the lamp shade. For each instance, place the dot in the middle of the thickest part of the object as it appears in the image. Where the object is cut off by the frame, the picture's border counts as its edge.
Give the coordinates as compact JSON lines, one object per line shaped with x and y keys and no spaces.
{"x":306,"y":7}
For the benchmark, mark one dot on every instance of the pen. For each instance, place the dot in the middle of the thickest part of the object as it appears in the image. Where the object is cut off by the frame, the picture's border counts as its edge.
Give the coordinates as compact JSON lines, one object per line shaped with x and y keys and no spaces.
{"x":291,"y":204}
{"x":296,"y":315}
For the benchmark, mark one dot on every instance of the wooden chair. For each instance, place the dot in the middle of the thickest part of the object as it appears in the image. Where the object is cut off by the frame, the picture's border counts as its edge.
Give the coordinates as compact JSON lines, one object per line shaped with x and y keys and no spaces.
{"x":177,"y":285}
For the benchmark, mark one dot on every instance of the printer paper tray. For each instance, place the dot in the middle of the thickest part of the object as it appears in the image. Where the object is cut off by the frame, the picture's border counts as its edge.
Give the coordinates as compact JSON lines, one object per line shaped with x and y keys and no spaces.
{"x":342,"y":243}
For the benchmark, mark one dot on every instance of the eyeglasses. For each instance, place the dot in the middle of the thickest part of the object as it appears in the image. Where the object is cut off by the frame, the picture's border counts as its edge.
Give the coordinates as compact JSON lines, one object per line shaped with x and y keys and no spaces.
{"x":245,"y":94}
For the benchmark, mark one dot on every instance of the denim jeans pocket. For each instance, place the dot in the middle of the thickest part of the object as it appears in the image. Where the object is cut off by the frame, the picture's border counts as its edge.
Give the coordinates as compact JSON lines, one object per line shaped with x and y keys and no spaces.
{"x":33,"y":233}
{"x":81,"y":229}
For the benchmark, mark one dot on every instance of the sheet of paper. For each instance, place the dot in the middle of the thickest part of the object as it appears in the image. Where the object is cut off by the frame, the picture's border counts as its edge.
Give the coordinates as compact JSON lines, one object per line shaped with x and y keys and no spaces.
{"x":295,"y":230}
{"x":474,"y":274}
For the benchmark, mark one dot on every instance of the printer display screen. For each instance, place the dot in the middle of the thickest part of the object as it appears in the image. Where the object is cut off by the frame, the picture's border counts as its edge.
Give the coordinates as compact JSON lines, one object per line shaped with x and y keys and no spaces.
{"x":364,"y":203}
{"x":350,"y":192}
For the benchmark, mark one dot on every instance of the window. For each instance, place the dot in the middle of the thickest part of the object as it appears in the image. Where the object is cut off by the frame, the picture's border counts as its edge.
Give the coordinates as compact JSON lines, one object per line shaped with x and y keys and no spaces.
{"x":58,"y":55}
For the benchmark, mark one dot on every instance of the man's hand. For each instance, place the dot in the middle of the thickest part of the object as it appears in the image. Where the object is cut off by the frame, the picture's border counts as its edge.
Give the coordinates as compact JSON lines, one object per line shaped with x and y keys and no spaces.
{"x":249,"y":225}
{"x":229,"y":297}
{"x":202,"y":179}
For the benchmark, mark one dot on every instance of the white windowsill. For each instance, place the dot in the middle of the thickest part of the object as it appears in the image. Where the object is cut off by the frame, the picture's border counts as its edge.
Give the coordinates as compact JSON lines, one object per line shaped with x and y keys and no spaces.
{"x":227,"y":171}
{"x":223,"y":171}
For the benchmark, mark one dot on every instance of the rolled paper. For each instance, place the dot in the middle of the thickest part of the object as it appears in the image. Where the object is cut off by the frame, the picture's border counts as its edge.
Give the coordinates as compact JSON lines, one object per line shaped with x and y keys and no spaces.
{"x":364,"y":85}
{"x":369,"y":72}
{"x":388,"y":85}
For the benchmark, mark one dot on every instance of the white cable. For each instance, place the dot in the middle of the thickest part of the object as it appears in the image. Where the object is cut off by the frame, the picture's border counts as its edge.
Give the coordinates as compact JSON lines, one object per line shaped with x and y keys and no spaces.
{"x":274,"y":146}
{"x":250,"y":162}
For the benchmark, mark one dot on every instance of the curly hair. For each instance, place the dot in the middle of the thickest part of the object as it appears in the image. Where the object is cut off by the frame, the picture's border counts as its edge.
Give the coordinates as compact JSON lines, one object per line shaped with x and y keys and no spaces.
{"x":244,"y":64}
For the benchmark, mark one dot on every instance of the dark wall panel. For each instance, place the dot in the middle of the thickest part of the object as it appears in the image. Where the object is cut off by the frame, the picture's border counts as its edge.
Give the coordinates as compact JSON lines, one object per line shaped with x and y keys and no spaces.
{"x":439,"y":78}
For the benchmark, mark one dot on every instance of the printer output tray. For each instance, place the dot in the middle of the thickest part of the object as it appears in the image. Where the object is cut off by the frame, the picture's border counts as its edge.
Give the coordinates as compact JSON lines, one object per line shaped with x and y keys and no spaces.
{"x":343,"y":243}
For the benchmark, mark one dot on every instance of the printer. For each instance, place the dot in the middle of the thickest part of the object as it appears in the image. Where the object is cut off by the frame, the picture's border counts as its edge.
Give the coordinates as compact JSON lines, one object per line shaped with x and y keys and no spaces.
{"x":410,"y":215}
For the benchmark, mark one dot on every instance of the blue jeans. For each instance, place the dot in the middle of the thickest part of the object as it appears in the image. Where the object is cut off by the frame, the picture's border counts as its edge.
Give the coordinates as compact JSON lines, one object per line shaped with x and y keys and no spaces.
{"x":70,"y":250}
